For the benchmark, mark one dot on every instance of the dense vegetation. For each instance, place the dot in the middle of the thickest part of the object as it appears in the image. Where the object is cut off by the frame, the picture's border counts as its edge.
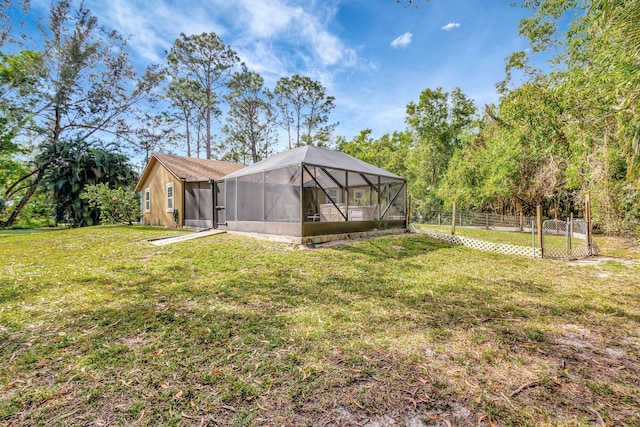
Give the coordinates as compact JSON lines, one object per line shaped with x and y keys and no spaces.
{"x":75,"y":85}
{"x":61,"y":106}
{"x":560,"y":133}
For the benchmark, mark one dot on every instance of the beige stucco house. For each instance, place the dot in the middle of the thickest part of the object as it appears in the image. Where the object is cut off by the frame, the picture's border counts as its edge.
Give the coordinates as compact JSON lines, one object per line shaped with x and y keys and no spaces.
{"x":177,"y":191}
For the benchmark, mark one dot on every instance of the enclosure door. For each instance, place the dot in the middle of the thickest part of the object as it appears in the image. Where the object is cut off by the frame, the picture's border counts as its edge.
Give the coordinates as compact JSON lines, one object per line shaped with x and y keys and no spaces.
{"x":198,"y":205}
{"x":220,"y":219}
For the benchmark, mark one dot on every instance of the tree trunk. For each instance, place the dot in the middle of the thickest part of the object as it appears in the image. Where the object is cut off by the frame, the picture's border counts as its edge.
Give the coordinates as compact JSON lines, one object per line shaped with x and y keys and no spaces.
{"x":25,"y":199}
{"x":188,"y":137}
{"x":289,"y":132}
{"x":310,"y":126}
{"x":298,"y":125}
{"x":208,"y":121}
{"x":207,"y":143}
{"x":254,"y":143}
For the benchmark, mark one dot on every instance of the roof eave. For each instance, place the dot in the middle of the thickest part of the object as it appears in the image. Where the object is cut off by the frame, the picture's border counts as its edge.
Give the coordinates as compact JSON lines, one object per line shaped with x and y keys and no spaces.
{"x":198,"y":179}
{"x":144,"y":174}
{"x":147,"y":170}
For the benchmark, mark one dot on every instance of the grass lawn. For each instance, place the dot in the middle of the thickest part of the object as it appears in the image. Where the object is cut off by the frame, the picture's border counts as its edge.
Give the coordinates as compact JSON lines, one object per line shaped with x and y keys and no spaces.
{"x":98,"y":327}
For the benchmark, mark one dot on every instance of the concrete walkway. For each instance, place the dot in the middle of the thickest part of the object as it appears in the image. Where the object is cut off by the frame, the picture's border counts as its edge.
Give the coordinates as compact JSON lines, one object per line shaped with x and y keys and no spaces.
{"x":182,"y":238}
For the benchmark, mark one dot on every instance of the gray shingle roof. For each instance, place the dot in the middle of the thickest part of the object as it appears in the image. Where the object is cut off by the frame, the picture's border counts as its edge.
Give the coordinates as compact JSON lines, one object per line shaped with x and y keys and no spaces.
{"x":316,"y":156}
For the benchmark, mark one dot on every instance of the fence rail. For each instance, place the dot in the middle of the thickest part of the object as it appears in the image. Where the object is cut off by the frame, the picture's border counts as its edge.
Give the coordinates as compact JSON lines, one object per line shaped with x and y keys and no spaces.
{"x":560,"y":239}
{"x":488,"y":221}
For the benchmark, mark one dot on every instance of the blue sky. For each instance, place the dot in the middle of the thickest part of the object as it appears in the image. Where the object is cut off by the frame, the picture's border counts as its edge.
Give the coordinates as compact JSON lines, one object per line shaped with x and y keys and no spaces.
{"x":373,"y":56}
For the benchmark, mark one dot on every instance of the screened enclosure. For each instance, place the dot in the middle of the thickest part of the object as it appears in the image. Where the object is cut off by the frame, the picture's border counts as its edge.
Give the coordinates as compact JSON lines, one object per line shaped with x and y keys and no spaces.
{"x":311,"y":191}
{"x":197,"y":205}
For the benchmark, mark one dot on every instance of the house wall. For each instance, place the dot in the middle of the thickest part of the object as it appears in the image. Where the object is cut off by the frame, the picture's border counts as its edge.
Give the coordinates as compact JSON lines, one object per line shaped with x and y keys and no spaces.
{"x":157,"y":180}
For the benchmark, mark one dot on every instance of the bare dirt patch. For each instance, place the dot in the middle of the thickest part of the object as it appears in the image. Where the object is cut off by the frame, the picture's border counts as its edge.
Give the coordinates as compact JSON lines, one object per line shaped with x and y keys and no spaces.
{"x":597,"y":260}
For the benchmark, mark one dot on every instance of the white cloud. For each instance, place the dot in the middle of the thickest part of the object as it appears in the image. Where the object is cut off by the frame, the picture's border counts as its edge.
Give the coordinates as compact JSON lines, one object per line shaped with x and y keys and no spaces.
{"x":263,"y":59}
{"x":265,"y":19}
{"x":450,"y":26}
{"x":273,"y":37}
{"x":278,"y":21}
{"x":402,"y":40}
{"x":147,"y":22}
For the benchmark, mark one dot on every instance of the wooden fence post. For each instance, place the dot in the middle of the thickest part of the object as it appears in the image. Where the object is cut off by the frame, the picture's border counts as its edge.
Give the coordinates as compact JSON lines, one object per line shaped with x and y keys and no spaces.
{"x":453,"y":219}
{"x":540,"y":232}
{"x":521,"y":221}
{"x":587,"y":214}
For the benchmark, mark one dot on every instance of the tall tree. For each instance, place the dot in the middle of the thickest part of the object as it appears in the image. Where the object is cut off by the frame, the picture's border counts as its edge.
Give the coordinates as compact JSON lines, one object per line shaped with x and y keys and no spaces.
{"x":205,"y":60}
{"x":304,"y":109}
{"x":389,"y":152}
{"x":250,"y":121}
{"x":438,"y":122}
{"x":155,"y":132}
{"x":316,"y":120}
{"x":88,"y":86}
{"x":19,"y":74}
{"x":595,"y":75}
{"x":182,"y":93}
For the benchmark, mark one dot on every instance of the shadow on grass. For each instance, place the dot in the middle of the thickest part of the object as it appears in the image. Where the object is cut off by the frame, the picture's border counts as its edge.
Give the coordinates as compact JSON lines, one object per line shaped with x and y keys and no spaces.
{"x":173,"y":362}
{"x":203,"y":327}
{"x":405,"y":246}
{"x":241,"y":344}
{"x":16,"y":231}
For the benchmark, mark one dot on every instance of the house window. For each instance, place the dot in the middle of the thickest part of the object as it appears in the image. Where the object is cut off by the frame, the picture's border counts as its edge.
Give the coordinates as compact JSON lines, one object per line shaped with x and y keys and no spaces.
{"x":170,"y":197}
{"x":333,"y":194}
{"x":147,"y":200}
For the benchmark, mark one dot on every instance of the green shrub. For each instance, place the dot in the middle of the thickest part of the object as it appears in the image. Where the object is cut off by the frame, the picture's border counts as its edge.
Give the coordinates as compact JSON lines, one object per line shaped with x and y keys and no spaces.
{"x":117,"y":205}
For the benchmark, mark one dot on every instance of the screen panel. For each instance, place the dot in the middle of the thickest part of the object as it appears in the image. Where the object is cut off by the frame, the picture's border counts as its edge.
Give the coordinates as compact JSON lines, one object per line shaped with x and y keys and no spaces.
{"x":282,"y":195}
{"x":250,"y":197}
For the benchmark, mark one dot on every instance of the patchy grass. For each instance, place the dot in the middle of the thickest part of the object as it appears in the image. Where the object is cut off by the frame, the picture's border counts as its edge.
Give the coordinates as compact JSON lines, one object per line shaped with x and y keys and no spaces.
{"x":12,"y":231}
{"x":98,"y":327}
{"x":618,"y":247}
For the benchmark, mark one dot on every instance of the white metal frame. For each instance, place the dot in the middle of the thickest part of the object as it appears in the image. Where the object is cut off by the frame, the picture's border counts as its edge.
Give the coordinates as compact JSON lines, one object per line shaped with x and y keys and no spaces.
{"x":172,"y":198}
{"x":147,"y":200}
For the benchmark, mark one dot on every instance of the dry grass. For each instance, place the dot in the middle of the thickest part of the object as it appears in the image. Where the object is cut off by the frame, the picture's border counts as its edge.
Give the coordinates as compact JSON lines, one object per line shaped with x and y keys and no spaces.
{"x":100,"y":328}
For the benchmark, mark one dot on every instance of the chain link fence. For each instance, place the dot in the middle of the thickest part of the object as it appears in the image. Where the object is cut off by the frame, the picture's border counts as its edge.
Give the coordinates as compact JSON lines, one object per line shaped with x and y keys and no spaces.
{"x":488,"y":221}
{"x":560,"y":239}
{"x":566,"y":239}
